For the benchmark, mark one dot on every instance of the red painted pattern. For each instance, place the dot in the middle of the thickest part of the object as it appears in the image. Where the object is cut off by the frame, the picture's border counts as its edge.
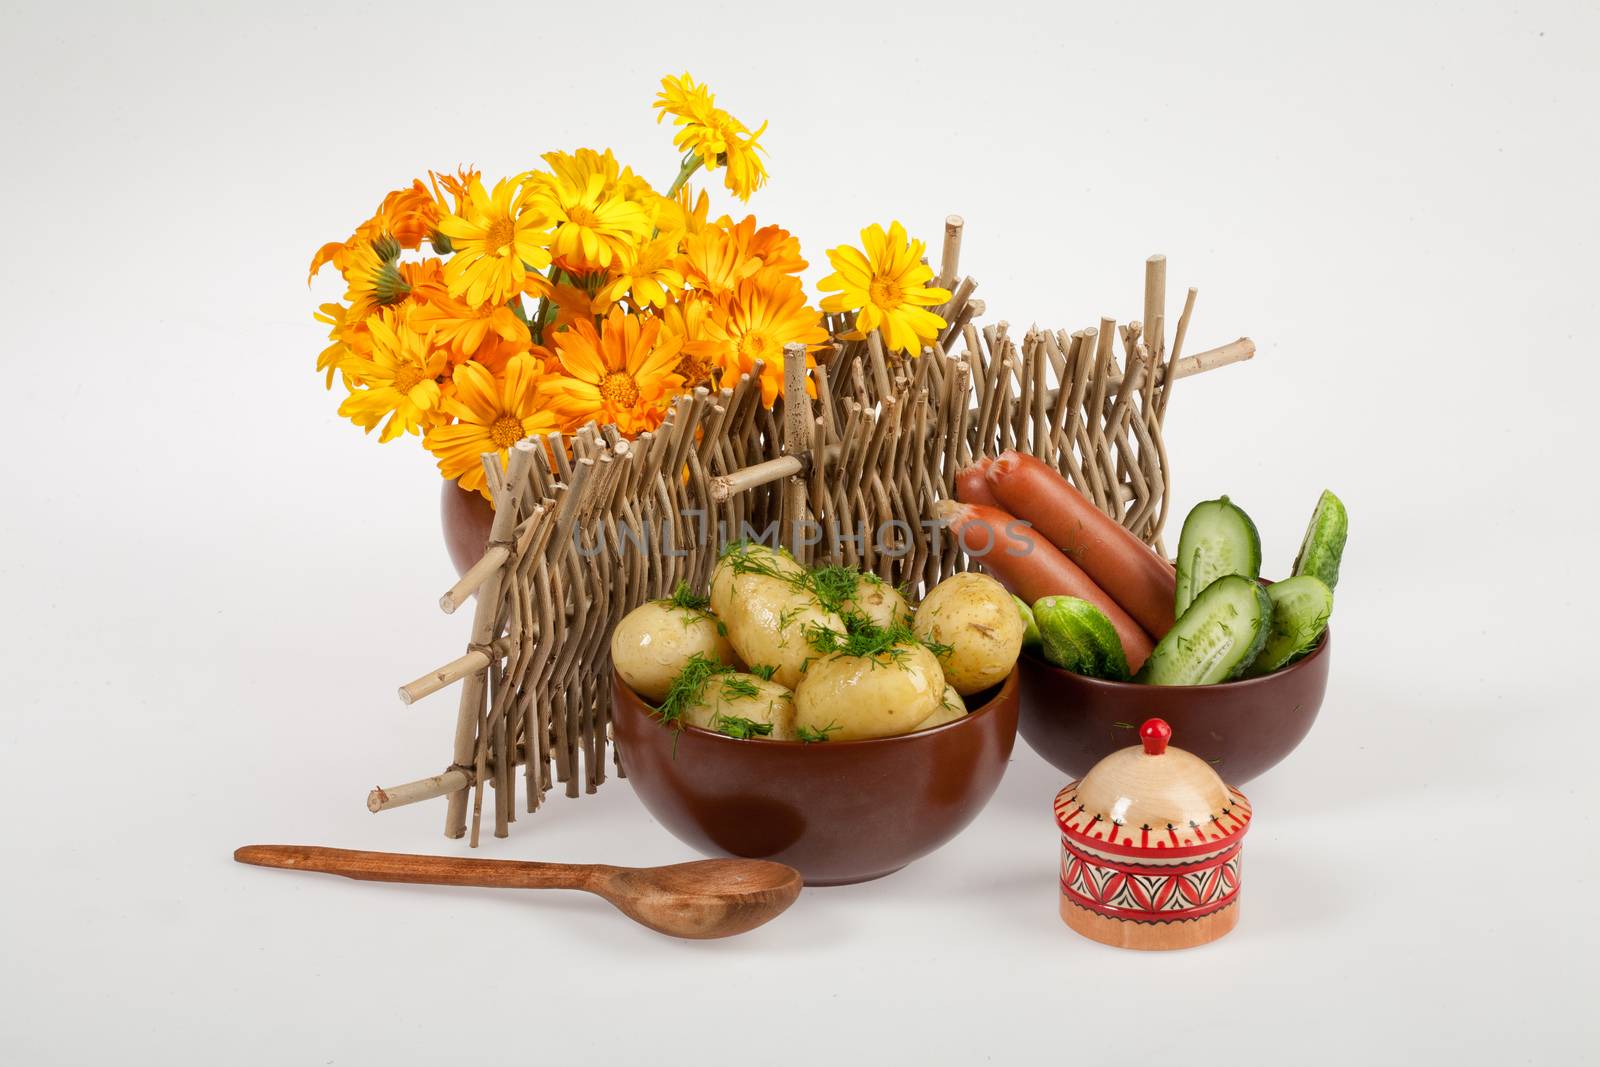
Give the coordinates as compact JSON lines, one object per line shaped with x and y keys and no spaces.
{"x":1093,"y":829}
{"x":1147,"y":893}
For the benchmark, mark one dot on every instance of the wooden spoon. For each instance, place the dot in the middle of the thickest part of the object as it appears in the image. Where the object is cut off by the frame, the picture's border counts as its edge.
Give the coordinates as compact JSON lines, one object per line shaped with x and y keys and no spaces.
{"x":703,"y":899}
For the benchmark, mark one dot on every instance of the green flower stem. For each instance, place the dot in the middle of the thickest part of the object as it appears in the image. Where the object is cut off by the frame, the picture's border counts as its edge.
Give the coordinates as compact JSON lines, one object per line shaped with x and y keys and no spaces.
{"x":691,"y":163}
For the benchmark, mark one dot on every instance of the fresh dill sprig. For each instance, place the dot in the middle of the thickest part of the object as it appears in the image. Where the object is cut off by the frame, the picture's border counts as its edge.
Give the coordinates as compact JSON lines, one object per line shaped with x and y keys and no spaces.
{"x":688,"y":687}
{"x":738,"y":726}
{"x":683,"y":598}
{"x":812,"y":736}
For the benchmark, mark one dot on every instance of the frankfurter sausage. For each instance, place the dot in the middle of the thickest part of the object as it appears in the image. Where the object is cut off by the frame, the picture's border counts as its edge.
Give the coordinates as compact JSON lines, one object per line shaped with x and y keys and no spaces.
{"x":972,"y":485}
{"x":1031,"y":567}
{"x":1139,"y":580}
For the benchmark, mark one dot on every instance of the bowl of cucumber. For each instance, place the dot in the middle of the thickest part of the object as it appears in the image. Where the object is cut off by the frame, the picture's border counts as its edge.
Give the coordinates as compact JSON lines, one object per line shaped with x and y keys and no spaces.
{"x":1242,"y":728}
{"x":1241,"y":668}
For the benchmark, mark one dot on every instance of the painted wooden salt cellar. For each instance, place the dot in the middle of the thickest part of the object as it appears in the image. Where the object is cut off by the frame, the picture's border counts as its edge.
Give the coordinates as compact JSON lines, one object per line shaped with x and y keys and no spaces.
{"x":1150,"y":842}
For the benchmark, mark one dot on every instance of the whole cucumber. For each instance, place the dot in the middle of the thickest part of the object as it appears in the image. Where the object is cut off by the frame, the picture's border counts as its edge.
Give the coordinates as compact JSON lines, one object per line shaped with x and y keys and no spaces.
{"x":1324,"y":541}
{"x":1218,"y":539}
{"x":1216,"y":639}
{"x":1076,"y":636}
{"x":1030,"y":627}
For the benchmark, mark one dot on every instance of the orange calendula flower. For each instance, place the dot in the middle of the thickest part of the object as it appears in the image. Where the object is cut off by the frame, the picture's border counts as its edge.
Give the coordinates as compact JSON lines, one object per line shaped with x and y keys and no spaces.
{"x":776,"y":247}
{"x":688,"y":318}
{"x":766,"y":313}
{"x":715,"y":262}
{"x":886,"y":287}
{"x":623,"y":373}
{"x":578,"y":305}
{"x":492,"y":412}
{"x":410,"y":215}
{"x":456,"y":185}
{"x":464,"y":327}
{"x":498,"y":239}
{"x":397,"y":377}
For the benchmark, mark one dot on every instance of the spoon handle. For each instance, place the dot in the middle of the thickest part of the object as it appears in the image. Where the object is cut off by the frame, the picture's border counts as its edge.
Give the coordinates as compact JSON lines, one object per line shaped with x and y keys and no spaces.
{"x":425,"y":870}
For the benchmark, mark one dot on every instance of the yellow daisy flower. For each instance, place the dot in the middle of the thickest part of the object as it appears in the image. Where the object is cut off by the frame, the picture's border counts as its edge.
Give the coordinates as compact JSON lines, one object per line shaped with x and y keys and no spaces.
{"x":766,"y":313}
{"x":373,"y":279}
{"x":498,"y":239}
{"x":397,"y":377}
{"x":886,"y":288}
{"x":592,"y":227}
{"x":648,"y":272}
{"x":492,"y":413}
{"x":341,"y":334}
{"x":624,"y":373}
{"x":711,"y":134}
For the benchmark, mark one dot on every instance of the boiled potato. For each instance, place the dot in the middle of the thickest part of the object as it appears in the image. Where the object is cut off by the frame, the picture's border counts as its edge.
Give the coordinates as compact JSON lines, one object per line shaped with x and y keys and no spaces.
{"x":652,"y":642}
{"x":742,"y":566}
{"x":768,"y":622}
{"x":878,"y":601}
{"x":853,"y":697}
{"x":732,"y":700}
{"x":974,"y":615}
{"x":949,"y":710}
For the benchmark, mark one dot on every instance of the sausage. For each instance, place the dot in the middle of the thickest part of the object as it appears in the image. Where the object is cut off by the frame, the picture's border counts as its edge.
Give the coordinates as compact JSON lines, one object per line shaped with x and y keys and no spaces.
{"x":972,"y":484}
{"x":1031,"y":567}
{"x":1139,"y":580}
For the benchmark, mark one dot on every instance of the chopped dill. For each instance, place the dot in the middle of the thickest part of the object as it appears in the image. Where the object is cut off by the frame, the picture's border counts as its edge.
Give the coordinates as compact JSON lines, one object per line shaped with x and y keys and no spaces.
{"x":764,"y":671}
{"x":863,"y":637}
{"x":736,"y":688}
{"x":835,"y":586}
{"x":738,"y":726}
{"x":811,"y":736}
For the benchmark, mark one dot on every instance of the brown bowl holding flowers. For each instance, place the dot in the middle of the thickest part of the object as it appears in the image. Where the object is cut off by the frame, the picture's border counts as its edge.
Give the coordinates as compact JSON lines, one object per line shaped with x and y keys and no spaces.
{"x":838,"y":812}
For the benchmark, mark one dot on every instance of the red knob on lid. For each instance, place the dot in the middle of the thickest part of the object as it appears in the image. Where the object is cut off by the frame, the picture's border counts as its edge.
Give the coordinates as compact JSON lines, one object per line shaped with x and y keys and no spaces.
{"x":1155,"y":733}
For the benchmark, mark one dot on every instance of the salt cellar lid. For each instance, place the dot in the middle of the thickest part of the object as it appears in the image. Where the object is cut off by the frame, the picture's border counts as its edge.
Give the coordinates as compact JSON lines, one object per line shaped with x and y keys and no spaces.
{"x":1152,"y":798}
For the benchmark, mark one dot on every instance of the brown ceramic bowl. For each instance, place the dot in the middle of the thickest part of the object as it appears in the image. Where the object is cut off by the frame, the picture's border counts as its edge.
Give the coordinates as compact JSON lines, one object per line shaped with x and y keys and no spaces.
{"x":1241,"y":728}
{"x":839,"y":811}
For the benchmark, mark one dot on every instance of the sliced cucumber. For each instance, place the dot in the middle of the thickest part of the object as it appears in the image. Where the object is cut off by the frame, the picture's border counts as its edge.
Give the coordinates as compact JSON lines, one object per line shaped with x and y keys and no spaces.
{"x":1324,"y":541}
{"x":1076,"y":636}
{"x":1218,"y":539}
{"x":1216,"y":639}
{"x":1030,"y":628}
{"x":1300,"y":609}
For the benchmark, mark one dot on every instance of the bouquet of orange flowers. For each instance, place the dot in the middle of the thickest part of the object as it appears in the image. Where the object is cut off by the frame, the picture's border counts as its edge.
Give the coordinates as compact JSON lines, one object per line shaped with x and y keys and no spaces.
{"x":577,"y":292}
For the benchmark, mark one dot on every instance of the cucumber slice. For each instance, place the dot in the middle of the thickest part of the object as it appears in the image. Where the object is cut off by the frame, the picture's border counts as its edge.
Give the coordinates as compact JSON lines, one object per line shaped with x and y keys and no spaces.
{"x":1076,"y":636}
{"x":1216,"y":639}
{"x":1218,"y":539}
{"x":1030,"y":628}
{"x":1324,"y":542}
{"x":1300,"y":609}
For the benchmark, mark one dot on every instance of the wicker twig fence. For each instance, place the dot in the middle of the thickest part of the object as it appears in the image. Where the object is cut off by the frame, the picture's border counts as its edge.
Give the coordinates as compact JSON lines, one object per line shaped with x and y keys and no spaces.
{"x":587,"y":526}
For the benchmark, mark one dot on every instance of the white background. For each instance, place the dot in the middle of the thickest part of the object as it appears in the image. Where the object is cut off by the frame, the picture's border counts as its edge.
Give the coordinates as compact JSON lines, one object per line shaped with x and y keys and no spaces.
{"x":213,"y":585}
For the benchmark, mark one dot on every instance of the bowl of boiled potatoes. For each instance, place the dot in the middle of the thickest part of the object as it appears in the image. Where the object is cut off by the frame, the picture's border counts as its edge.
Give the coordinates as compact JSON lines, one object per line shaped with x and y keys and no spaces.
{"x":816,"y":717}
